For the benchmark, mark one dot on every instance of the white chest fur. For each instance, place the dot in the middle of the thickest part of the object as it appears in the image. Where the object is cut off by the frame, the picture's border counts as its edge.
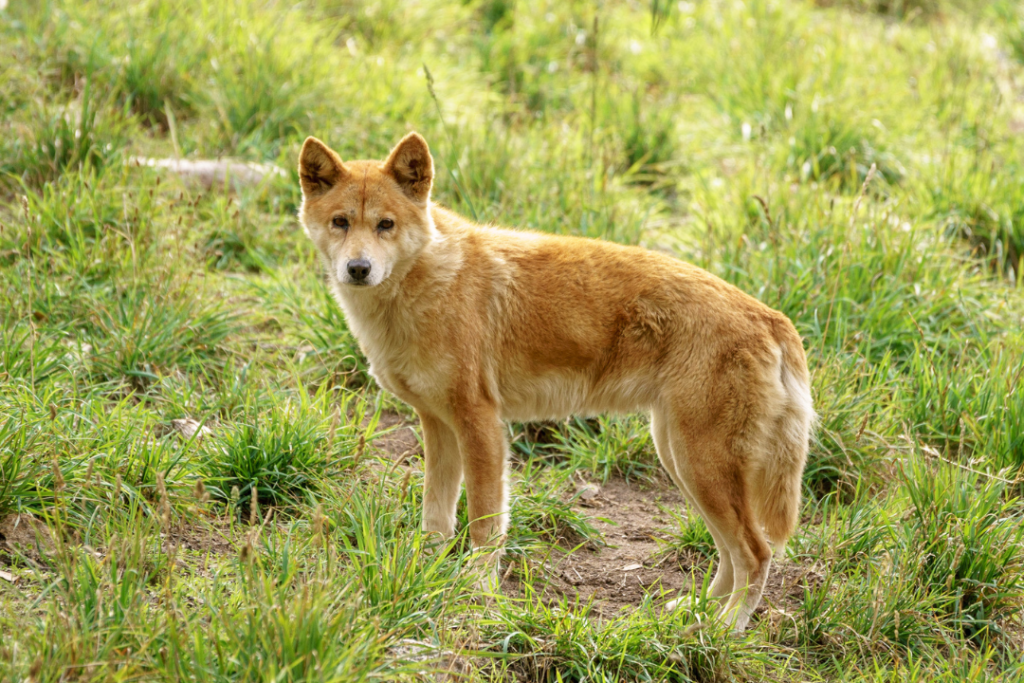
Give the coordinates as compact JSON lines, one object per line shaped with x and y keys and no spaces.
{"x":390,"y":336}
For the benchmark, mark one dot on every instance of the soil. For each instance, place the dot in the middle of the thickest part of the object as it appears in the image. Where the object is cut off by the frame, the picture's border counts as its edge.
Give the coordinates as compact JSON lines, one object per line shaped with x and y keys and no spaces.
{"x":213,"y":538}
{"x":400,"y":440}
{"x":632,"y":564}
{"x":24,"y":536}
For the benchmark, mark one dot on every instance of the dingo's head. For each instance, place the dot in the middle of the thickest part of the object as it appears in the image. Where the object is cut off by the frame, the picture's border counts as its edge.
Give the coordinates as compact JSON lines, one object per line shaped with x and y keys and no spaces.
{"x":368,"y":219}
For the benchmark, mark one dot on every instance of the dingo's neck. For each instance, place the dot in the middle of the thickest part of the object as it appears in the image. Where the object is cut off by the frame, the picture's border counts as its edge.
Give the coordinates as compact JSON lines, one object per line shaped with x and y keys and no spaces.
{"x":394,"y":309}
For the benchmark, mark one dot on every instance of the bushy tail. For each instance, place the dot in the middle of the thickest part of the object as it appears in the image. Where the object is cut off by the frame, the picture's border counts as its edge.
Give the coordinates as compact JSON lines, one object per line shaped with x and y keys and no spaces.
{"x":777,"y":493}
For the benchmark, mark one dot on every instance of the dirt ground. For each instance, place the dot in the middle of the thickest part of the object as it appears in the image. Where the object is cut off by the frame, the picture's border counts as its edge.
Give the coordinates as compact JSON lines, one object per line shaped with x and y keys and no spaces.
{"x":630,"y":566}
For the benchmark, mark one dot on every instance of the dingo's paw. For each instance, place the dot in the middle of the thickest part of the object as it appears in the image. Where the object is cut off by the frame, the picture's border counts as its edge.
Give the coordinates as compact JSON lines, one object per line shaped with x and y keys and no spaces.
{"x":684,"y":603}
{"x":691,"y":603}
{"x":435,"y":542}
{"x":485,"y":565}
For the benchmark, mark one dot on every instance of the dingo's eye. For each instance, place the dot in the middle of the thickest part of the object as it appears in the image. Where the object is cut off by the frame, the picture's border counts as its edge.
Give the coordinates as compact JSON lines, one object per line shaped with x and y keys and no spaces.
{"x":340,"y":222}
{"x":386,"y":224}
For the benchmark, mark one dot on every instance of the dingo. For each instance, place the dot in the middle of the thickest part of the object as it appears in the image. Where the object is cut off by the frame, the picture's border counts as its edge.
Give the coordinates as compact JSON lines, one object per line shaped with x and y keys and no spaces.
{"x":472,"y":325}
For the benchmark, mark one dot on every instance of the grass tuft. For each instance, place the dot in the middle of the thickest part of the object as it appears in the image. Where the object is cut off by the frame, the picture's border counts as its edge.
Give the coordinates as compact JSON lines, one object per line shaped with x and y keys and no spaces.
{"x":82,"y":133}
{"x":610,"y":446}
{"x":966,"y":537}
{"x":276,"y":455}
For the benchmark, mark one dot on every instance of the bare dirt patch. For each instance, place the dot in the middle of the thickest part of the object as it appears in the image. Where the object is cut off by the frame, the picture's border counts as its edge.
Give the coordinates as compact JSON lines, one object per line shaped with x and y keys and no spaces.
{"x":634,"y":565}
{"x":400,"y":440}
{"x":210,"y":538}
{"x":787,"y":581}
{"x":630,"y":566}
{"x":25,"y":536}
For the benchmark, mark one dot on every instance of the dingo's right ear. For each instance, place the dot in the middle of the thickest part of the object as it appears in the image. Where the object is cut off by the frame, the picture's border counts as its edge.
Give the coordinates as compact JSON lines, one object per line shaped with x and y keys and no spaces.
{"x":320,"y":168}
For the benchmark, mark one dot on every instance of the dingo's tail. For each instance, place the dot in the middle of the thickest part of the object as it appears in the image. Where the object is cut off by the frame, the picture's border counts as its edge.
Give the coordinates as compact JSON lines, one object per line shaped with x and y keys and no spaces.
{"x":776,"y":491}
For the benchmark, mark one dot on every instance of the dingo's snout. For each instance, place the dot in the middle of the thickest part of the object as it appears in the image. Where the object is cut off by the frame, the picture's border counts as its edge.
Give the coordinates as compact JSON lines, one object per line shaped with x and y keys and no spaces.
{"x":359,"y":270}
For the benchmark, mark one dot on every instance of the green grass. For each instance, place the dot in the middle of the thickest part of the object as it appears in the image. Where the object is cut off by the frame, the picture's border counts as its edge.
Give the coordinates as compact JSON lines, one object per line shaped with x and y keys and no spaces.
{"x":611,"y":446}
{"x":268,"y":457}
{"x":738,"y":136}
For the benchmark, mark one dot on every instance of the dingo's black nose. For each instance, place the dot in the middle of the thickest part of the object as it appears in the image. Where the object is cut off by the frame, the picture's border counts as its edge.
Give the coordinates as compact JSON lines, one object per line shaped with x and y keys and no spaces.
{"x":358,"y":269}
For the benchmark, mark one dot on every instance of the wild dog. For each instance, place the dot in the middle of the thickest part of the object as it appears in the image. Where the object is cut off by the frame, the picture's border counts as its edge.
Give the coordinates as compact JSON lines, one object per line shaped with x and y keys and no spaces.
{"x":472,"y":325}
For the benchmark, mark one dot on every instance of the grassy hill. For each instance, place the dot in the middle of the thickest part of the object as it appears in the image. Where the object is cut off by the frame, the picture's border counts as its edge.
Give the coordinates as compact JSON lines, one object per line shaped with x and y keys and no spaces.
{"x":199,"y":481}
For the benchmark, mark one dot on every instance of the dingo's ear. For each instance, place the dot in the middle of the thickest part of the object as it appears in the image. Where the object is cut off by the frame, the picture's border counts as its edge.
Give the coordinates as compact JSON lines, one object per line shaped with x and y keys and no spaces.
{"x":320,"y":168}
{"x":411,"y":165}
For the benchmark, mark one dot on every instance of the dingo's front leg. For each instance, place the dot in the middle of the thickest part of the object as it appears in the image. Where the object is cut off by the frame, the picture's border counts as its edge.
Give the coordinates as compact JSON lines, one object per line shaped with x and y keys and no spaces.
{"x":481,"y":437}
{"x":442,"y":475}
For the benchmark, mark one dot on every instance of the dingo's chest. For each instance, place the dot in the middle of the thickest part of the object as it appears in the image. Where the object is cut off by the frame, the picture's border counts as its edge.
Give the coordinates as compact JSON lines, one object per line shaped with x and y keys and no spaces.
{"x":401,"y":362}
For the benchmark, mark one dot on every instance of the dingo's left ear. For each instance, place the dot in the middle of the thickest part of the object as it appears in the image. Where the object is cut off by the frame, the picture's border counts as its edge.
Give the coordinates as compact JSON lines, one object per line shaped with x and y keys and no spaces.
{"x":411,"y":165}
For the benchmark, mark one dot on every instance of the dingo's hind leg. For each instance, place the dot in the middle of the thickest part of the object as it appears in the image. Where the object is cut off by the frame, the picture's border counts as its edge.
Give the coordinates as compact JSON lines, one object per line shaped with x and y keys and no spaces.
{"x":722,"y":584}
{"x":714,"y":478}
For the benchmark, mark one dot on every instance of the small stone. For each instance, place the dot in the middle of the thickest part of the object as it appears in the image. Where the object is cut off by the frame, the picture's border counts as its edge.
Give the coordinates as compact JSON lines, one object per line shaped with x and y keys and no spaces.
{"x":189,"y":427}
{"x":587,"y":494}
